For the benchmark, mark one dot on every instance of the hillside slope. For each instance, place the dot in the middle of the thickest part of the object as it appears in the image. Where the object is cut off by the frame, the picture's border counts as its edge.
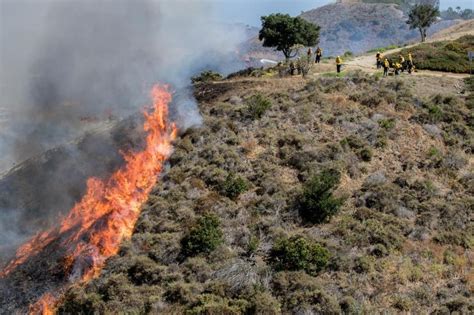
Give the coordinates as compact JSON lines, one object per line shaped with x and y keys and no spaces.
{"x":400,"y":242}
{"x":359,"y":27}
{"x":355,"y":27}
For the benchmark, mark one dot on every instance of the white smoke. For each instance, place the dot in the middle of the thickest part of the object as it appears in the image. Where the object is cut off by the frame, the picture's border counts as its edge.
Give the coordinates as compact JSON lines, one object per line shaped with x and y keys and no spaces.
{"x":63,"y":60}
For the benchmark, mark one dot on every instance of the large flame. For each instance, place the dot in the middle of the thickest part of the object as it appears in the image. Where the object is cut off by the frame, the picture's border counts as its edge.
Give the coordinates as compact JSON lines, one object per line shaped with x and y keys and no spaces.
{"x":106,"y":215}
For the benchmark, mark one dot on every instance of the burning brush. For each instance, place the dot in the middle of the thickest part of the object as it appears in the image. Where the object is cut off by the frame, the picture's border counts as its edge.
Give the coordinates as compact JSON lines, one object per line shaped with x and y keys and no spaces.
{"x":105,"y":216}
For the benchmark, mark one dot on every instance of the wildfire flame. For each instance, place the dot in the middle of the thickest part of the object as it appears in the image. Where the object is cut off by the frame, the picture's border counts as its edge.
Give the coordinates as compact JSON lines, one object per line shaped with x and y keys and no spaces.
{"x":107,"y":213}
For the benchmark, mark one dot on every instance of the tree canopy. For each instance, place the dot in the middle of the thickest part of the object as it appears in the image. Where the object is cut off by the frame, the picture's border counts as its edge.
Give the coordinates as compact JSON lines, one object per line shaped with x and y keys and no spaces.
{"x":284,"y":32}
{"x":422,"y":16}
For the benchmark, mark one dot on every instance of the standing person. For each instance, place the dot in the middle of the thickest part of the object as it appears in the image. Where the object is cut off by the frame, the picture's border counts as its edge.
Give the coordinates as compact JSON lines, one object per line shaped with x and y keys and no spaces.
{"x":410,"y":63}
{"x":386,"y":65}
{"x":292,"y":68}
{"x":397,"y":68}
{"x":401,"y":61}
{"x":319,"y":54}
{"x":338,"y":64}
{"x":378,"y":58}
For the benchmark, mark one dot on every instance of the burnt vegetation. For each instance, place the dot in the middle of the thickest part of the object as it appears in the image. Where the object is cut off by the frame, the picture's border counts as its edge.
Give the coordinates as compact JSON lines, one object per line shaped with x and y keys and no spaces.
{"x":344,"y":195}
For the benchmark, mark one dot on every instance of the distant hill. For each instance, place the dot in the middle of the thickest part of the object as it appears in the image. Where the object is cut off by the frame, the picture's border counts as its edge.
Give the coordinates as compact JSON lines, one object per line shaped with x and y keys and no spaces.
{"x":354,"y":26}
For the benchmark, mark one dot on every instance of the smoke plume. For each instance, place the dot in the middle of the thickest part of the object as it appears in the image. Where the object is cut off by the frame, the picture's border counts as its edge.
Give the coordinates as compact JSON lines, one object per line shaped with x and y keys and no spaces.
{"x":68,"y":66}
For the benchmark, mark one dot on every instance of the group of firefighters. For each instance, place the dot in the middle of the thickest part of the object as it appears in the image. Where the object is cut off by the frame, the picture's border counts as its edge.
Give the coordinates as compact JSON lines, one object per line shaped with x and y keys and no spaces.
{"x":399,"y":66}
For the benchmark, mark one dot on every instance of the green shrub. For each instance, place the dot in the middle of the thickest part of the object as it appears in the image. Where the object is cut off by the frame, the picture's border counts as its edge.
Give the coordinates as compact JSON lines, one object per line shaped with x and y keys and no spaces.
{"x":257,"y":105}
{"x":317,"y":201}
{"x":299,"y":253}
{"x":365,"y":154}
{"x":204,"y":237}
{"x":206,"y":76}
{"x":233,"y":186}
{"x":387,"y":124}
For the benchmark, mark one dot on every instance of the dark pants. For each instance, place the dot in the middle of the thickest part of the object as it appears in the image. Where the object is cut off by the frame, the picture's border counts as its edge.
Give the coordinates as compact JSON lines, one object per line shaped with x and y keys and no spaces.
{"x":318,"y":59}
{"x":385,"y":71}
{"x":338,"y":67}
{"x":379,"y":64}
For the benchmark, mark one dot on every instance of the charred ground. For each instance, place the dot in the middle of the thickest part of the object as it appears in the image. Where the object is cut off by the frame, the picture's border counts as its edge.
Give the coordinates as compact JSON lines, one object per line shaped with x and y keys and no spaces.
{"x":210,"y":239}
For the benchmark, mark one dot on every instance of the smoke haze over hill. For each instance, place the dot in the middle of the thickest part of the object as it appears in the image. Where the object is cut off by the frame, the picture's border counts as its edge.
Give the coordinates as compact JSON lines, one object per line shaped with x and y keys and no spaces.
{"x":68,"y":66}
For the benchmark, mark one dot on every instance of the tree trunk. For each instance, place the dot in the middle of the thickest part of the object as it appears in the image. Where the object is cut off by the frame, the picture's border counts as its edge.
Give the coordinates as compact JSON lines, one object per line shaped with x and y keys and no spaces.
{"x":423,"y":35}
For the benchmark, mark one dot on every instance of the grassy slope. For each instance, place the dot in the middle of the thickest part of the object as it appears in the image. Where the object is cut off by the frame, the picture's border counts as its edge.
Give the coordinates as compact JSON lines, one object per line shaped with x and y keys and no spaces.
{"x":449,"y":56}
{"x":401,"y":241}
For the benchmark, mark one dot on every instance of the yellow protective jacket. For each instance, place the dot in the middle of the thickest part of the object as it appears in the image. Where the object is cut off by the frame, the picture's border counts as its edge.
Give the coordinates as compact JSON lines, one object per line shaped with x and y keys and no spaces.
{"x":338,"y":61}
{"x":410,"y":58}
{"x":386,"y":64}
{"x":397,"y":65}
{"x":402,"y":60}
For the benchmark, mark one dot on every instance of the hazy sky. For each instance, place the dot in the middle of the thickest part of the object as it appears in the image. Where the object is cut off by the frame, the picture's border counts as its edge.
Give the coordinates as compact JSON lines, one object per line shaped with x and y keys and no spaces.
{"x":239,"y":10}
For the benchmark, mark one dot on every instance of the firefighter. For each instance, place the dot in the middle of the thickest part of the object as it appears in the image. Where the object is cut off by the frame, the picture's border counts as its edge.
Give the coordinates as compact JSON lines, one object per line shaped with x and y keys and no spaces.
{"x":299,"y":67}
{"x":410,"y":63}
{"x":378,"y":58}
{"x":401,"y":61}
{"x":319,"y":54}
{"x":386,"y":65}
{"x":397,"y":66}
{"x":292,"y":68}
{"x":338,"y":64}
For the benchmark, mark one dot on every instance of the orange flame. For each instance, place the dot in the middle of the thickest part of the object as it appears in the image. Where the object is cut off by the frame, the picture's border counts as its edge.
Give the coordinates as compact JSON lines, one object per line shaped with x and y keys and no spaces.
{"x":107,"y":213}
{"x":44,"y":305}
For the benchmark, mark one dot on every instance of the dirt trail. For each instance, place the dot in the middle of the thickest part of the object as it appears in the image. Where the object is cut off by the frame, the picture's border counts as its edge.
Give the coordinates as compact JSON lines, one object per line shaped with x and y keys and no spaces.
{"x":367,"y":62}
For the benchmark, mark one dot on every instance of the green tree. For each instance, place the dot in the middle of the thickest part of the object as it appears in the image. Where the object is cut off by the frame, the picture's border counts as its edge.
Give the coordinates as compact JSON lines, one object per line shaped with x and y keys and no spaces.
{"x":421,"y":17}
{"x":284,"y":32}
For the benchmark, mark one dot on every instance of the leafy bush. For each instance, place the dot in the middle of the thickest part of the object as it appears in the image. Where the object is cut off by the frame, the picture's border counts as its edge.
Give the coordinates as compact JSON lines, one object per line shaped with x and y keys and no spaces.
{"x":204,"y":237}
{"x":234,"y":186}
{"x":206,"y":76}
{"x":299,"y":253}
{"x":365,"y":154}
{"x":317,"y":202}
{"x":257,"y":105}
{"x":387,"y":124}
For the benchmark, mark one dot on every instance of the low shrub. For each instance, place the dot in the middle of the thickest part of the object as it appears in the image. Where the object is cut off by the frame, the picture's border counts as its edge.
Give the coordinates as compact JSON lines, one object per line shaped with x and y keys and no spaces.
{"x":299,"y":253}
{"x":317,"y":201}
{"x":257,"y":105}
{"x":206,"y":76}
{"x":204,"y":237}
{"x":233,"y":186}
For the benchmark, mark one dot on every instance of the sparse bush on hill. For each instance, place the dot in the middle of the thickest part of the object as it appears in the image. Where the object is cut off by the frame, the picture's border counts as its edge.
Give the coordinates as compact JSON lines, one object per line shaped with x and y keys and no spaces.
{"x":204,"y":237}
{"x":317,"y":203}
{"x":257,"y":105}
{"x":408,"y":209}
{"x":299,"y":253}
